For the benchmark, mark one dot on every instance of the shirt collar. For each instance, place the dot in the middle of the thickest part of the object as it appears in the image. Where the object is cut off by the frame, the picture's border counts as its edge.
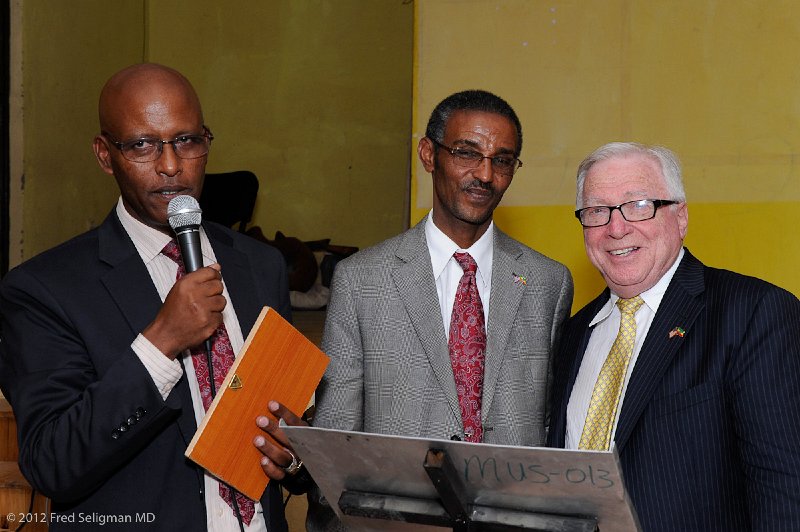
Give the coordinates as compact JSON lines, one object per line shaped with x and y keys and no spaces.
{"x":441,"y":249}
{"x":148,"y":241}
{"x":652,"y":297}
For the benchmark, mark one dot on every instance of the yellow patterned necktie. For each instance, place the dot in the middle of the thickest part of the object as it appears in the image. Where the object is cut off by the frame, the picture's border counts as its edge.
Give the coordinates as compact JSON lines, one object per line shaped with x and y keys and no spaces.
{"x":608,"y":388}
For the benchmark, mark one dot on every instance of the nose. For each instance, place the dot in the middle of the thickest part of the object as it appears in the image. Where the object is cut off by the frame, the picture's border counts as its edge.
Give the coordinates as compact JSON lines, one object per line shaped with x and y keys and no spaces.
{"x":484,"y":170}
{"x":617,"y":226}
{"x":168,"y":163}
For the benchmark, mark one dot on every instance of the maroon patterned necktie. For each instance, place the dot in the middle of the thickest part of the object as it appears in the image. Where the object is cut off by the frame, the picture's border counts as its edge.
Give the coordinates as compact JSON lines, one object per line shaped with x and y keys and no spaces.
{"x":467,"y":344}
{"x":222,"y":358}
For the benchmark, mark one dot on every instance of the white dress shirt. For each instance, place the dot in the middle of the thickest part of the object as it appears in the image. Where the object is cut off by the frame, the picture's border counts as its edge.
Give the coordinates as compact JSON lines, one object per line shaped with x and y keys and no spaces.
{"x":605,"y":327}
{"x":165,"y":372}
{"x":447,"y":272}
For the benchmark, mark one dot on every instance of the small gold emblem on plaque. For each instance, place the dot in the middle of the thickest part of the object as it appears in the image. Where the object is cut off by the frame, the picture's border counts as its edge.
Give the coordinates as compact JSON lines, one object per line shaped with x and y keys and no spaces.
{"x":236,"y":383}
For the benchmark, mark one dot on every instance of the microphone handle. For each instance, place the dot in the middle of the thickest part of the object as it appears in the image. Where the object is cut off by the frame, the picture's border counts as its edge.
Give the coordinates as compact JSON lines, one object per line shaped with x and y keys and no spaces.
{"x":188,"y":238}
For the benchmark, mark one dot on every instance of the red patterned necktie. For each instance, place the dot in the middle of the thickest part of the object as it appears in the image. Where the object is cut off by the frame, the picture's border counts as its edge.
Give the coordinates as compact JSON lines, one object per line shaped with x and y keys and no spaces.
{"x":222,"y":358}
{"x":467,"y":344}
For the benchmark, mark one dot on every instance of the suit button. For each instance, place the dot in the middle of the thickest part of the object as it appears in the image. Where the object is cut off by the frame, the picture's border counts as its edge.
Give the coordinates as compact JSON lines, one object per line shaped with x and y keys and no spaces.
{"x":115,"y":434}
{"x":132,"y":421}
{"x":123,"y":428}
{"x":140,"y":412}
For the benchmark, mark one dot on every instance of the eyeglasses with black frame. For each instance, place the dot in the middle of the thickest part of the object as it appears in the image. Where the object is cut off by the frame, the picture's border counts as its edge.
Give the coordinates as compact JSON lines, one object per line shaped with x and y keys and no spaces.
{"x":147,"y":149}
{"x":632,"y":211}
{"x":502,"y":164}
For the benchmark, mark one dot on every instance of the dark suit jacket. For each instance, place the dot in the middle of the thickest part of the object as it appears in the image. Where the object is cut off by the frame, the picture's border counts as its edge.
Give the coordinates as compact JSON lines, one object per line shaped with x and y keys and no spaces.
{"x":709,"y":431}
{"x":94,"y":433}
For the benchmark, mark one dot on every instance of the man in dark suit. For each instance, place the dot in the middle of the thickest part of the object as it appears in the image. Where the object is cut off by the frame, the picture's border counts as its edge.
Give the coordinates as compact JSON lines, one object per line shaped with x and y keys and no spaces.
{"x":704,"y":363}
{"x":94,"y":355}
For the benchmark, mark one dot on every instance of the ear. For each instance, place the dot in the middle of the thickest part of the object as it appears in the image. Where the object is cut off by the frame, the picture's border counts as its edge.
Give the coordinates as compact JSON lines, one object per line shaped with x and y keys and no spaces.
{"x":102,"y":154}
{"x":426,"y":151}
{"x":683,"y":219}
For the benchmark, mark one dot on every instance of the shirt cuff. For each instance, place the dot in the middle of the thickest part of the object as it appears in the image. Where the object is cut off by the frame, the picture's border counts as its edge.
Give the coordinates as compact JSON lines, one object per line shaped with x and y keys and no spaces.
{"x":164,"y":372}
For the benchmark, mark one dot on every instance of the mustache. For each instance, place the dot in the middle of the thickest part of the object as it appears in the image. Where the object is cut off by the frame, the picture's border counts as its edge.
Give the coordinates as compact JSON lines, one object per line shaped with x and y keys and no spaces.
{"x":477,"y":183}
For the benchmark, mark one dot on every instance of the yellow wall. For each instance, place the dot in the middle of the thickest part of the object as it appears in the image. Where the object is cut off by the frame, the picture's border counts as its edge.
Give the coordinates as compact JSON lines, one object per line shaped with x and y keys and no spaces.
{"x":716,"y":81}
{"x":313,"y":96}
{"x":67,"y":54}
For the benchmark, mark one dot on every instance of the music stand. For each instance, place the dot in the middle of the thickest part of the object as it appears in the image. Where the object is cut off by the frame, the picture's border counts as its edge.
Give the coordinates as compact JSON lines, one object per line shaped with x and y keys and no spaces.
{"x":387,"y":483}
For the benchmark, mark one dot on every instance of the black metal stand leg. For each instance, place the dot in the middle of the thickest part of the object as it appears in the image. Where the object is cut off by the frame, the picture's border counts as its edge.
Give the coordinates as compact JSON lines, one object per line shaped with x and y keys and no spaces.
{"x":442,"y":473}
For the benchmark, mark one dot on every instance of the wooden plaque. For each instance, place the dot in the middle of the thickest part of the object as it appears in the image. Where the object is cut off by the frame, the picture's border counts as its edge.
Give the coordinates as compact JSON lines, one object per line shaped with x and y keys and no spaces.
{"x":277,"y":362}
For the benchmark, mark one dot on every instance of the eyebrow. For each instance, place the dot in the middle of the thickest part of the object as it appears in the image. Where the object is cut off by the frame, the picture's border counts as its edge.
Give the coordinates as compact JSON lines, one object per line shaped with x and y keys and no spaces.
{"x":477,"y":146}
{"x":628,"y":196}
{"x":183,"y":133}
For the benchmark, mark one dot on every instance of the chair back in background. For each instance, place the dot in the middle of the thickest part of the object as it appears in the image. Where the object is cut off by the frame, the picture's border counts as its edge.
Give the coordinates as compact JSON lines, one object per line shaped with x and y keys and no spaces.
{"x":229,"y":198}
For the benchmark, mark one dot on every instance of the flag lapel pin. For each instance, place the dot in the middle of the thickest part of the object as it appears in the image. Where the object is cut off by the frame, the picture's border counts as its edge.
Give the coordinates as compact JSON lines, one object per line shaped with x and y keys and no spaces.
{"x":677,"y":331}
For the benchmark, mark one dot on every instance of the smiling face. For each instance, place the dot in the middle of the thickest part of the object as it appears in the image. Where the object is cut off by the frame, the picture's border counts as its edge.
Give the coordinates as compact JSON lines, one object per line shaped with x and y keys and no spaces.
{"x":157,"y":102}
{"x":632,"y":256}
{"x":465,"y":198}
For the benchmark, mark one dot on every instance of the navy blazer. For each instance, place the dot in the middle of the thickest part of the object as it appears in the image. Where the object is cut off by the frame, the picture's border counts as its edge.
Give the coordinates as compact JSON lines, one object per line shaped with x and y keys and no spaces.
{"x":95,"y":435}
{"x":709,"y":432}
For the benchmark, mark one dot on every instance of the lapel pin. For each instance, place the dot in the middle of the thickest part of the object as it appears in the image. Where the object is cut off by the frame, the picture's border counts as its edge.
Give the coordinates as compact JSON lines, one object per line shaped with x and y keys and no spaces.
{"x":520,"y":279}
{"x":677,"y":331}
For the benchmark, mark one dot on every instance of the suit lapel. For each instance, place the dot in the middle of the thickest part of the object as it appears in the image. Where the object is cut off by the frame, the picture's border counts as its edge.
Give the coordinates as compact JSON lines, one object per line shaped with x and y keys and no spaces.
{"x":504,"y":302}
{"x":139,"y":306}
{"x":679,"y":308}
{"x":417,"y":289}
{"x":126,"y":269}
{"x":238,"y":277}
{"x":570,"y":357}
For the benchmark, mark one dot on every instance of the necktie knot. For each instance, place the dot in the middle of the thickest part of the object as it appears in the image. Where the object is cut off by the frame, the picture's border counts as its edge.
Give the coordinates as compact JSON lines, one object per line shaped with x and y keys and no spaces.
{"x":630,"y":306}
{"x":172,"y":251}
{"x":466,"y":262}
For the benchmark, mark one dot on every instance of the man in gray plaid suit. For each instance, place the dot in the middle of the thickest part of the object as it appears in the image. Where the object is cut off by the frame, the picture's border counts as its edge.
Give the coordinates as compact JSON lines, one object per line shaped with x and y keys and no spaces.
{"x":389,"y":315}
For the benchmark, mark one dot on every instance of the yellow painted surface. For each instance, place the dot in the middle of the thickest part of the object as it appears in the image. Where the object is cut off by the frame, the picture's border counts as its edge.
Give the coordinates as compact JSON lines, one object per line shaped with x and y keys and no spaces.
{"x":67,"y":54}
{"x":312,"y":96}
{"x":716,"y":81}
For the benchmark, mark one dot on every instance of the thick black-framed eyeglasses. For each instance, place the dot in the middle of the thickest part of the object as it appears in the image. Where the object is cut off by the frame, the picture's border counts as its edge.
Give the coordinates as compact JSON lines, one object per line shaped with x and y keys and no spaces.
{"x":632,"y":211}
{"x":468,"y":158}
{"x":147,"y":149}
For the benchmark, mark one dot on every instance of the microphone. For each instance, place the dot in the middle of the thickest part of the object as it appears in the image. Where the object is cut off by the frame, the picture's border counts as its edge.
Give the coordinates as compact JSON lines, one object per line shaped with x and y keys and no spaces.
{"x":184,"y":215}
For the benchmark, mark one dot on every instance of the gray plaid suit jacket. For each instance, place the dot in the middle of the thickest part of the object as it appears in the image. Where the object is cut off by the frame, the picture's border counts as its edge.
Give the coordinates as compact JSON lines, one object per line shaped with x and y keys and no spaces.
{"x":390,"y":369}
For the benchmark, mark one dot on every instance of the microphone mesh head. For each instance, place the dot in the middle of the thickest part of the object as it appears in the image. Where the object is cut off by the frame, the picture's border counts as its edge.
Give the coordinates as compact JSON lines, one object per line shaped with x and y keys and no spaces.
{"x":183,"y":211}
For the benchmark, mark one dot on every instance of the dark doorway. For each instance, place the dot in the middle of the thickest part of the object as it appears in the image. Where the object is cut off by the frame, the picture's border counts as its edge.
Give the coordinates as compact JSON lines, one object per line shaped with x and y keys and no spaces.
{"x":5,"y":165}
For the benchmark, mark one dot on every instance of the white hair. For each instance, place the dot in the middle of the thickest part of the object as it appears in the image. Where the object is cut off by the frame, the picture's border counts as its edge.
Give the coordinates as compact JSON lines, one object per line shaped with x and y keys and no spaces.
{"x":666,"y":159}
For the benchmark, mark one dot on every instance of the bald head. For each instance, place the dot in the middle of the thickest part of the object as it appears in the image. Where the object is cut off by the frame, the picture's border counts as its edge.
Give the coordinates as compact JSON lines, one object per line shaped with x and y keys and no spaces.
{"x":143,"y":88}
{"x":152,"y":105}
